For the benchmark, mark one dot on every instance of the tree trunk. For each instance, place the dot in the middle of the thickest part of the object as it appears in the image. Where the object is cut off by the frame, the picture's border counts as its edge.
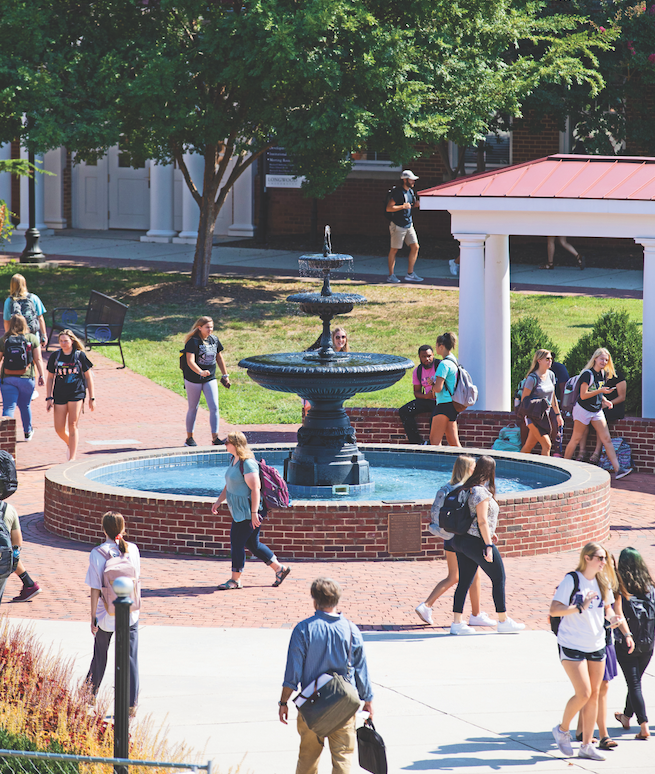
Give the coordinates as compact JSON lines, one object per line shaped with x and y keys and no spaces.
{"x":203,"y":255}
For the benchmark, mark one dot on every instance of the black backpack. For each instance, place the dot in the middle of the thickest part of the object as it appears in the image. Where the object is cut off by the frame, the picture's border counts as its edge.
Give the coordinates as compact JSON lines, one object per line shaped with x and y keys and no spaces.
{"x":455,"y":515}
{"x":27,"y":308}
{"x":17,"y":355}
{"x":8,"y":478}
{"x":639,"y":613}
{"x":555,"y":620}
{"x":390,"y":195}
{"x":7,"y":561}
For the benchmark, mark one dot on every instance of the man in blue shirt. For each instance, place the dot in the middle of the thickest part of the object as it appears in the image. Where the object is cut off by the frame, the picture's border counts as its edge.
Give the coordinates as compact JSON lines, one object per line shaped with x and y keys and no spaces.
{"x":318,"y":645}
{"x":402,"y":200}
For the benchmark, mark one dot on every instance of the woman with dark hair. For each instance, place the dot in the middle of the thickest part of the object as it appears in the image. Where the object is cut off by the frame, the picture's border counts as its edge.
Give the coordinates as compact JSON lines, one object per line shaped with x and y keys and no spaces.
{"x":476,"y":549}
{"x":202,"y":353}
{"x":540,"y":383}
{"x":103,"y":619}
{"x":242,"y":493}
{"x":444,"y":418}
{"x":635,"y":652}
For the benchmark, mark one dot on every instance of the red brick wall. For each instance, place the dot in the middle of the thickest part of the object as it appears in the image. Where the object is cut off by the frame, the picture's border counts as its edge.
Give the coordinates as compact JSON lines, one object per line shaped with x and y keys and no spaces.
{"x":8,"y":435}
{"x":528,"y":145}
{"x":480,"y":429}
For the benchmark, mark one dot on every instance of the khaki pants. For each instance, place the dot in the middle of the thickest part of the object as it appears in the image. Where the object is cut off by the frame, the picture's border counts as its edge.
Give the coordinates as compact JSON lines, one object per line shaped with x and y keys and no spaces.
{"x":342,"y":747}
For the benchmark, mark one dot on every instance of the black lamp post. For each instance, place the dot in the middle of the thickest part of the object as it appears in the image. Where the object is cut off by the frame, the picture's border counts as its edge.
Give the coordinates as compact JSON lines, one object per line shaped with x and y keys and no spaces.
{"x":123,"y":588}
{"x":32,"y":252}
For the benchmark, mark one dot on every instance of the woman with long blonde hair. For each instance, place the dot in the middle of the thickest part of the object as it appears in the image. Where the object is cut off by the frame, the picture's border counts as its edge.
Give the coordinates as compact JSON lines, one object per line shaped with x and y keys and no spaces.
{"x":242,"y":493}
{"x":29,"y":305}
{"x":540,"y":383}
{"x":70,"y":378}
{"x":202,"y":353}
{"x":589,"y":407}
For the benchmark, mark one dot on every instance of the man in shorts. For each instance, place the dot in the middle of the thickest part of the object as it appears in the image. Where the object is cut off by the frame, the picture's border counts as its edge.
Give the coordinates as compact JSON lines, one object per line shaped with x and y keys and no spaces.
{"x":402,"y":200}
{"x":30,"y":588}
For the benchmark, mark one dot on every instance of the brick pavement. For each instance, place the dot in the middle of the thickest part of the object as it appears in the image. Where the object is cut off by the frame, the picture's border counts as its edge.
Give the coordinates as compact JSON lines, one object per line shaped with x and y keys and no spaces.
{"x":181,"y":590}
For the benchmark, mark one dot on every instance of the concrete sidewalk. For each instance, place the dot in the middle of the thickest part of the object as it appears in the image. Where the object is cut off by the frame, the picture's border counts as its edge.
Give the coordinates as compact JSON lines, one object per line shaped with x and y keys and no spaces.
{"x":124,"y":246}
{"x":441,"y":703}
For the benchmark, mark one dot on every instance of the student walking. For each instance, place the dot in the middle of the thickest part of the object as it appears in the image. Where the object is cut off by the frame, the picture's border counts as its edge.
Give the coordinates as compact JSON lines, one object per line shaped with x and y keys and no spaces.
{"x":242,"y":493}
{"x":540,"y":382}
{"x":402,"y":200}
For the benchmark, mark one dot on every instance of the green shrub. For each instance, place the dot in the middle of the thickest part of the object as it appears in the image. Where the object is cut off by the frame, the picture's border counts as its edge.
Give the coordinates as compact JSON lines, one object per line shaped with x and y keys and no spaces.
{"x":526,"y":337}
{"x":620,"y":335}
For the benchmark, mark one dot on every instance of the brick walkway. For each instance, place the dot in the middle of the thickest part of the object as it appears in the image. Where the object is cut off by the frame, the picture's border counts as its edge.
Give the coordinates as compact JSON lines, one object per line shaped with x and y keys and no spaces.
{"x":181,"y":590}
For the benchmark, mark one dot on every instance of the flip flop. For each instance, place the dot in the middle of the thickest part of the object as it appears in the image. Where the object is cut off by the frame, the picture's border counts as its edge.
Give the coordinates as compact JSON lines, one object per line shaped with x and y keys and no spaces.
{"x":623,"y":720}
{"x":642,"y":737}
{"x":281,"y":575}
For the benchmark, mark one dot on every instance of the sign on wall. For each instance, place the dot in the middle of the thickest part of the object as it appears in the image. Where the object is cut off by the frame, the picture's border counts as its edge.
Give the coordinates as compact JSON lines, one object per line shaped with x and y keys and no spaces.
{"x":279,"y":170}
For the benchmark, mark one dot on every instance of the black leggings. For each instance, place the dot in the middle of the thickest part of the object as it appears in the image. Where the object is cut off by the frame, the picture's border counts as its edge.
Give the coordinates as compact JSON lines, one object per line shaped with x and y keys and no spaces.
{"x":469,"y":551}
{"x":408,"y":414}
{"x":633,"y":667}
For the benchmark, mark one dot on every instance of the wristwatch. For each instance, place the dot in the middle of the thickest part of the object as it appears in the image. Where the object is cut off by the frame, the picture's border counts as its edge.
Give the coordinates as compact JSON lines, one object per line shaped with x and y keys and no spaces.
{"x":282,"y":704}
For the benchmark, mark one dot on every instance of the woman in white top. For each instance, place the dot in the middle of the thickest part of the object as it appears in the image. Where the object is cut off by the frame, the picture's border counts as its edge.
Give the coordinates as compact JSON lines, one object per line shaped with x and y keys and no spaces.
{"x":102,"y":620}
{"x":581,"y":642}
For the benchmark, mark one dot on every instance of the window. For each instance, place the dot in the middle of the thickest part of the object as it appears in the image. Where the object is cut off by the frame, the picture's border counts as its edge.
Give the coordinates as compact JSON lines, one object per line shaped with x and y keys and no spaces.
{"x":497,"y":153}
{"x":368,"y":159}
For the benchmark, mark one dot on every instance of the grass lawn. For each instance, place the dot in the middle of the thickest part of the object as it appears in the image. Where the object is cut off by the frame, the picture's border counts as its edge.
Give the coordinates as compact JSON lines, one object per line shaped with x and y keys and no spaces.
{"x":252,"y":317}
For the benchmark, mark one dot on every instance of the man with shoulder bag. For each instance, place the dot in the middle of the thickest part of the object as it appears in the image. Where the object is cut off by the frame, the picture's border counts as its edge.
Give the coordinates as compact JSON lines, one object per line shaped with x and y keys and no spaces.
{"x":326,"y":658}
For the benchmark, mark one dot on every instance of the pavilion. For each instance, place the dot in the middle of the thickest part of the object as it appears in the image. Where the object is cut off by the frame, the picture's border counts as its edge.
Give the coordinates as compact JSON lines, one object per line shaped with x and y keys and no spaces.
{"x":579,"y":196}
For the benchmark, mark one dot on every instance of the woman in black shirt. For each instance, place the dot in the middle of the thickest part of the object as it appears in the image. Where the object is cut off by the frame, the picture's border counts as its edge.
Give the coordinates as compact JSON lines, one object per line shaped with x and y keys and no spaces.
{"x":69,"y":379}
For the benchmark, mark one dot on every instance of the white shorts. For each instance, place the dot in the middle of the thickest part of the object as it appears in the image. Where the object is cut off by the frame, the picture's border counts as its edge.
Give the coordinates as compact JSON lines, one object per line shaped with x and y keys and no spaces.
{"x":400,"y":235}
{"x":582,"y":415}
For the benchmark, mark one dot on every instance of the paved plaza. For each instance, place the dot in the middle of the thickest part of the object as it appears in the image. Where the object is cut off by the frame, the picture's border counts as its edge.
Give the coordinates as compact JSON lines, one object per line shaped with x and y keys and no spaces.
{"x":212,"y":662}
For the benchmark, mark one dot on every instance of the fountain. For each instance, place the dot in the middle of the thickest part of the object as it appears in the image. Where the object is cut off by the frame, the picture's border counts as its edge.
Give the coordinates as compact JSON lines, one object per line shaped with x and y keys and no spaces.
{"x":326,"y":455}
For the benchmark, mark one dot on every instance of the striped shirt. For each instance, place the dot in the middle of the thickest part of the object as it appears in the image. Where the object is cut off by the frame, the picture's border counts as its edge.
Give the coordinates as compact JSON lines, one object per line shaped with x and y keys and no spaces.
{"x":320,"y":644}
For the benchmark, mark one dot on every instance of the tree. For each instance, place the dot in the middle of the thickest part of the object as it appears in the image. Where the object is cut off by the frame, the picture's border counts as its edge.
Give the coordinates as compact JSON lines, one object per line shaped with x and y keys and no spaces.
{"x":526,"y":337}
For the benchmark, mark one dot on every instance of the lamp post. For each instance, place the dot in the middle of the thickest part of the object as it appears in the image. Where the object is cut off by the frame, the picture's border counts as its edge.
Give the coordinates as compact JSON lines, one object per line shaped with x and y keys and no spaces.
{"x":123,"y":588}
{"x":32,"y":252}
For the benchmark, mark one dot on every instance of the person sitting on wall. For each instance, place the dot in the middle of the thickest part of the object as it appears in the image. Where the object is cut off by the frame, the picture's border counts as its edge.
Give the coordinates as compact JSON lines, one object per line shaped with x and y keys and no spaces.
{"x":423,"y":379}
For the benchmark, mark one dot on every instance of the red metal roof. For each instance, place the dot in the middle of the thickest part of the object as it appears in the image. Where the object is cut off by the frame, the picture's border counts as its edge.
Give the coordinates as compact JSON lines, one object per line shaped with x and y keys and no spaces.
{"x":561,"y":177}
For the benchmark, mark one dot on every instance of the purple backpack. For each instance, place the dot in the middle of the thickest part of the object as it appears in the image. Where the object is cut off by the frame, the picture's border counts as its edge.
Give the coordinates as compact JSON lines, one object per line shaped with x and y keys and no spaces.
{"x":274,"y":491}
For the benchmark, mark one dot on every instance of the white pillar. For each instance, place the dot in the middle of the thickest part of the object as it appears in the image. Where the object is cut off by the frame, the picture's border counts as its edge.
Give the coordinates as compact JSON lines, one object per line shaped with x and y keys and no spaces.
{"x":648,"y":329}
{"x":5,"y":177}
{"x":472,"y":340}
{"x":190,"y":210}
{"x":497,"y":324}
{"x":243,"y":203}
{"x":24,"y":224}
{"x":53,"y":188}
{"x":161,"y":203}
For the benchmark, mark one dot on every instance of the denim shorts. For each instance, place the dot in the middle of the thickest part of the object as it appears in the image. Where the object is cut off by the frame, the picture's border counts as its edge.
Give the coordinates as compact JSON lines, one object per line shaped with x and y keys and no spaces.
{"x":568,"y":654}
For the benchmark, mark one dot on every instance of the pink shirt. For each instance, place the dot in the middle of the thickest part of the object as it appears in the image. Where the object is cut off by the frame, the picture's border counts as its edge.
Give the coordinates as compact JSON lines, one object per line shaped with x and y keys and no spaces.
{"x":427,"y":377}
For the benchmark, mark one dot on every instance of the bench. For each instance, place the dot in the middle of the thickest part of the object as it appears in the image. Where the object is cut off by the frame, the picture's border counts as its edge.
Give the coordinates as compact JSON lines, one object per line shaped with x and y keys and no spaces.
{"x":103,"y":322}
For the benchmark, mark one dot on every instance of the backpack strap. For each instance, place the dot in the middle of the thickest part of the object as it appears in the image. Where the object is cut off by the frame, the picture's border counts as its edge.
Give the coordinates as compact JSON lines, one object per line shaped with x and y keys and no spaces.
{"x":419,"y":374}
{"x":576,"y":585}
{"x":452,"y":360}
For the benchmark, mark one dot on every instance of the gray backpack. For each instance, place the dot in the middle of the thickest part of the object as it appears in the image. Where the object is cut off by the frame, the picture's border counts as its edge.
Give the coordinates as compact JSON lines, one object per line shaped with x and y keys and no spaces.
{"x":465,"y":393}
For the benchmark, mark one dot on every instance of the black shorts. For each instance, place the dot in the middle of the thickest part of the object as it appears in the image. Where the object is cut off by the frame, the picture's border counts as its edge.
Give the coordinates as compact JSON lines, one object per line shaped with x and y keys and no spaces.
{"x":568,"y":654}
{"x":448,"y":545}
{"x":445,"y":410}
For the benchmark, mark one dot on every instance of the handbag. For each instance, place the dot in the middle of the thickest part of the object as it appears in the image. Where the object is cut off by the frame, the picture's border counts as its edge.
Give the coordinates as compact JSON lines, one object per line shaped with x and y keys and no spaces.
{"x":371,"y":749}
{"x":328,"y":701}
{"x":509,"y":439}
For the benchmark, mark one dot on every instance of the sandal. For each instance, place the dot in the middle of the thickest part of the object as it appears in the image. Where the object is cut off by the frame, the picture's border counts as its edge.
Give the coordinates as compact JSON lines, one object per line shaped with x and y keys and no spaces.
{"x":547,"y":266}
{"x":580,"y":458}
{"x":229,"y":585}
{"x":606,"y":743}
{"x":642,"y":737}
{"x":582,"y":263}
{"x":624,"y":720}
{"x":594,"y":459}
{"x":280,"y":575}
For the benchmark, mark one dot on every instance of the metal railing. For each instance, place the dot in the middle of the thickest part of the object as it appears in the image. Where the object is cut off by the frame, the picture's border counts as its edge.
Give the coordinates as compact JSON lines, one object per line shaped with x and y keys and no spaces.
{"x":21,"y":762}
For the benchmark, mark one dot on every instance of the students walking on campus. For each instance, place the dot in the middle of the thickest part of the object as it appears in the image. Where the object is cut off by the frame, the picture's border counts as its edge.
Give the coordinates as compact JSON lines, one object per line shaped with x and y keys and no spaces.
{"x":202,"y":353}
{"x":540,"y":383}
{"x":400,"y":203}
{"x":242,"y":493}
{"x":28,"y":305}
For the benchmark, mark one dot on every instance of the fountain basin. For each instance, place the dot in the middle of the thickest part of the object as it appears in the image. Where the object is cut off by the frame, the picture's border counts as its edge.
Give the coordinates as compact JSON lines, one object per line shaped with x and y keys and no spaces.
{"x":557,"y":517}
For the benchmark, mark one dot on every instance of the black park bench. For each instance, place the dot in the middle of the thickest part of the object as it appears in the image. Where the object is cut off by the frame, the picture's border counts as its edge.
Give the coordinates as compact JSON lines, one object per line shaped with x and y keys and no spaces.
{"x":102,"y":326}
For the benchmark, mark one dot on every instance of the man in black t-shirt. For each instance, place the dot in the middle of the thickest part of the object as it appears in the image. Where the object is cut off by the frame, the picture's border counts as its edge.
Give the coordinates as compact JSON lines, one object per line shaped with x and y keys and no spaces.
{"x":400,"y":203}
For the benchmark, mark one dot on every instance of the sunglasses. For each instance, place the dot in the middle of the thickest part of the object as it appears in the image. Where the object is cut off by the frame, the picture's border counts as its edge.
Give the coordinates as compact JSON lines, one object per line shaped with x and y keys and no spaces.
{"x":340,"y":337}
{"x":600,"y":558}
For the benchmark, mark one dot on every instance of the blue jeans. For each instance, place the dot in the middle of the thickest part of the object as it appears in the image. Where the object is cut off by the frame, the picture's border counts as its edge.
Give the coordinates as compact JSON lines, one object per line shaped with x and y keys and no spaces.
{"x":242,"y":536}
{"x":17,"y":390}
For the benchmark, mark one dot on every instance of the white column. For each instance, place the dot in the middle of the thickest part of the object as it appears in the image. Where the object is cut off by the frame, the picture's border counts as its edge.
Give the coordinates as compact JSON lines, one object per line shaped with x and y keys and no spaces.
{"x":243,"y":203}
{"x":161,"y":203}
{"x":648,"y":329}
{"x":5,"y":177}
{"x":53,"y":188}
{"x":497,"y":324}
{"x":38,"y":200}
{"x":190,"y":210}
{"x":472,"y":340}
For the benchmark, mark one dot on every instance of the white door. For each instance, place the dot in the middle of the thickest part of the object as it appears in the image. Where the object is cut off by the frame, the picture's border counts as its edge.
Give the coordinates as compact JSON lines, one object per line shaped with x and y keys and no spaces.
{"x":90,"y":192}
{"x":129,"y":195}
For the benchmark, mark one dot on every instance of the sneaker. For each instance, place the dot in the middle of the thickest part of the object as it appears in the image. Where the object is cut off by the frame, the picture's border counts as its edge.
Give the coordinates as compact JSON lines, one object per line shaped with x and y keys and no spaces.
{"x":454,"y":267}
{"x":424,"y":613}
{"x":217,"y":442}
{"x":589,"y":751}
{"x":413,"y":277}
{"x":392,"y":278}
{"x":29,"y":436}
{"x":190,"y":442}
{"x":27,"y":592}
{"x":563,"y":740}
{"x":482,"y":620}
{"x":622,"y":473}
{"x":461,"y":628}
{"x":35,"y":395}
{"x":508,"y":626}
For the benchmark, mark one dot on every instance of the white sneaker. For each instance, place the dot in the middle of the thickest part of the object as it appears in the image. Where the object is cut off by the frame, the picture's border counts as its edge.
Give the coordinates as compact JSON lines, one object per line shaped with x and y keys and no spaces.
{"x":563,"y":739}
{"x":461,"y":628}
{"x":508,"y":626}
{"x":482,"y":620}
{"x":35,"y":395}
{"x":392,"y":278}
{"x":454,"y":267}
{"x":589,"y":751}
{"x":413,"y":277}
{"x":424,"y":613}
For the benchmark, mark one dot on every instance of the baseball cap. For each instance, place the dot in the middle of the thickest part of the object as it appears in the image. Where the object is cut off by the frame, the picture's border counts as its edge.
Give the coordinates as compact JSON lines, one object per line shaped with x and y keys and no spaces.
{"x":407,"y":173}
